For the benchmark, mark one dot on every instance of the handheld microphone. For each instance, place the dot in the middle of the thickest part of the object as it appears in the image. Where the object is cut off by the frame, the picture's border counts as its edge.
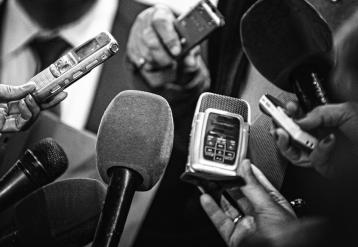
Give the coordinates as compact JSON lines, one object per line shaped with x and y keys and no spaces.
{"x":64,"y":213}
{"x":289,"y":43}
{"x":134,"y":144}
{"x":40,"y":165}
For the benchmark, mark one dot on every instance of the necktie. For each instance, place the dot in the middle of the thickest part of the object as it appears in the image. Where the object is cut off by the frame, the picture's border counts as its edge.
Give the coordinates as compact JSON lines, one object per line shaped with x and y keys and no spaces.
{"x":46,"y":51}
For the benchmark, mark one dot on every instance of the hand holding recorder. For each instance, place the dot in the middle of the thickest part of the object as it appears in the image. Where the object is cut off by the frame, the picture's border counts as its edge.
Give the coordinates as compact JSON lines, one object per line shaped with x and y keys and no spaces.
{"x":18,"y":109}
{"x":164,"y":48}
{"x":337,"y":124}
{"x":265,"y":210}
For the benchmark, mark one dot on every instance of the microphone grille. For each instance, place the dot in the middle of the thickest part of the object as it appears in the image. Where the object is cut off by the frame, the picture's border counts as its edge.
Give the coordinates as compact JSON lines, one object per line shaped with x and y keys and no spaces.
{"x":51,"y":156}
{"x":225,"y":103}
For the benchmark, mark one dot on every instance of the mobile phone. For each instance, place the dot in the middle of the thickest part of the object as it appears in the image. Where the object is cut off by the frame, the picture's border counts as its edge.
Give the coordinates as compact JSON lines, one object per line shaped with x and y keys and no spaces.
{"x":197,"y":24}
{"x":73,"y":66}
{"x":275,"y":109}
{"x":219,"y":136}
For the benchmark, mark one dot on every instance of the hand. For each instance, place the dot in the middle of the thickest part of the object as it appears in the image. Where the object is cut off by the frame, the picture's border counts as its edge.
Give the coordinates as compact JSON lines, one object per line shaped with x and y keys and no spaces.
{"x":266,"y":210}
{"x":18,"y":109}
{"x":153,"y":46}
{"x":338,"y":146}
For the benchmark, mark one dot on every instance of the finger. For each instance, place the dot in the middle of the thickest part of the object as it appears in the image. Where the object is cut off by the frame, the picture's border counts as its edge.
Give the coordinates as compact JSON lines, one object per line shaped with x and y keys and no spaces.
{"x":153,"y":51}
{"x":3,"y":115}
{"x":228,"y":209}
{"x":163,"y":24}
{"x":332,"y":115}
{"x":253,"y":190}
{"x":245,"y":227}
{"x":191,"y":61}
{"x":321,"y":154}
{"x":8,"y":93}
{"x":16,"y":122}
{"x":222,"y":222}
{"x":55,"y":101}
{"x":291,"y":108}
{"x":275,"y":194}
{"x":33,"y":106}
{"x":283,"y":143}
{"x":245,"y":206}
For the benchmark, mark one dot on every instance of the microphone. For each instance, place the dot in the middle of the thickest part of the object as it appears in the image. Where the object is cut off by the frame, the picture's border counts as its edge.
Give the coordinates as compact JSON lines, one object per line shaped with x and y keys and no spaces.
{"x":41,"y":164}
{"x":289,"y":43}
{"x":64,"y":213}
{"x":134,"y":144}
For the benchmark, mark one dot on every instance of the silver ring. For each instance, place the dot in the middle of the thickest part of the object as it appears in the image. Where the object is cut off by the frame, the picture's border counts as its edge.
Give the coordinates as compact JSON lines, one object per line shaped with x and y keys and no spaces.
{"x":141,"y":62}
{"x":237,"y":219}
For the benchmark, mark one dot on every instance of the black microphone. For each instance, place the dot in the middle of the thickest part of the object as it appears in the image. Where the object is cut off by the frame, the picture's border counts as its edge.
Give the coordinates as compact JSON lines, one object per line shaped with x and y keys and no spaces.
{"x":290,"y":44}
{"x":64,"y":213}
{"x":134,"y":144}
{"x":41,"y":164}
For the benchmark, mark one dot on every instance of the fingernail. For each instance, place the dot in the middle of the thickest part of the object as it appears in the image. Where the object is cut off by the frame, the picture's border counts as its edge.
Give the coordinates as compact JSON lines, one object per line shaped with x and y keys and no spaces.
{"x":30,"y":86}
{"x":175,"y":50}
{"x":30,"y":98}
{"x":328,"y":139}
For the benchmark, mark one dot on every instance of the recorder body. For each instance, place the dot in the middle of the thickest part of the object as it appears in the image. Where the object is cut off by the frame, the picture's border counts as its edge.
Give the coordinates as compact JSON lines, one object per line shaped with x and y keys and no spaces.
{"x":219,"y":136}
{"x":73,"y":66}
{"x":194,"y":26}
{"x":270,"y":106}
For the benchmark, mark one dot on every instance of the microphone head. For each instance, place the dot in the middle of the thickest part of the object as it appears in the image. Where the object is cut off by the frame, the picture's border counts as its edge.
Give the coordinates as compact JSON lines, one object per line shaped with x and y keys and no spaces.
{"x":60,"y":214}
{"x":51,"y":156}
{"x":136,"y":132}
{"x":279,"y":35}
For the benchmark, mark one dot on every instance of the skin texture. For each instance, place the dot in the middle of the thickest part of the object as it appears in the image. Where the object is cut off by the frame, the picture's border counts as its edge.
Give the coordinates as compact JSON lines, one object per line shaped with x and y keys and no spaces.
{"x":18,"y":109}
{"x":338,"y":144}
{"x":266,"y":210}
{"x":153,"y":46}
{"x":52,"y":14}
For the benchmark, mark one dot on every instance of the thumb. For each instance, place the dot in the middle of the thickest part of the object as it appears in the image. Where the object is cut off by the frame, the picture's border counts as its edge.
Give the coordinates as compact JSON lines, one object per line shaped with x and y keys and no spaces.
{"x":332,"y":115}
{"x":254,"y":191}
{"x":321,"y":154}
{"x":10,"y":93}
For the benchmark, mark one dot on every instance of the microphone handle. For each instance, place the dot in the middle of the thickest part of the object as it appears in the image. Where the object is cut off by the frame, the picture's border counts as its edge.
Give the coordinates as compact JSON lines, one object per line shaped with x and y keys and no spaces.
{"x":9,"y":239}
{"x":120,"y":192}
{"x":14,"y":185}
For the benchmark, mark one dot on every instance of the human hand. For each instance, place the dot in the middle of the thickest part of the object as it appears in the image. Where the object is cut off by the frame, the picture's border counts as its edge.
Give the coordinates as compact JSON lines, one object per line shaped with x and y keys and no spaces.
{"x":153,"y":47}
{"x":18,"y":109}
{"x":339,"y":124}
{"x":266,"y":210}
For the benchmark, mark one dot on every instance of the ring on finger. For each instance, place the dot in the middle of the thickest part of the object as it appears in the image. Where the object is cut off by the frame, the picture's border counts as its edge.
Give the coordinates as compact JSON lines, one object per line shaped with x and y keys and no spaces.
{"x":237,"y":218}
{"x":141,"y":62}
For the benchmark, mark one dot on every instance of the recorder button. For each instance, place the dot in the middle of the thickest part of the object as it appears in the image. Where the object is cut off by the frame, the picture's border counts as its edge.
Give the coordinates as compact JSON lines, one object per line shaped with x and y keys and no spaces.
{"x":54,"y":90}
{"x":231,"y":147}
{"x":77,"y":74}
{"x":219,"y":158}
{"x":220,"y":146}
{"x":92,"y":64}
{"x":219,"y":152}
{"x":210,"y":143}
{"x":209,"y":151}
{"x":229,"y":155}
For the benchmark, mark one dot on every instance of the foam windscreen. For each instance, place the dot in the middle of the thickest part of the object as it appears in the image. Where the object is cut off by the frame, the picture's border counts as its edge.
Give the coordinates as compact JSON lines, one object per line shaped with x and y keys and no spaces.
{"x":64,"y":213}
{"x":279,"y":35}
{"x":136,"y":132}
